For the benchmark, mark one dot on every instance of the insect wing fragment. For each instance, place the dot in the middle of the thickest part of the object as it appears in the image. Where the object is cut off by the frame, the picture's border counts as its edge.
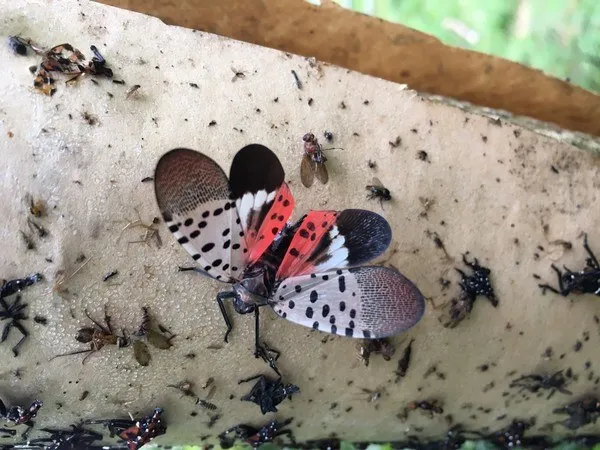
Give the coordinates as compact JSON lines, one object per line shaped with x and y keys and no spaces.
{"x":333,"y":239}
{"x":364,"y":302}
{"x":141,"y":353}
{"x":321,"y":172}
{"x":307,"y":170}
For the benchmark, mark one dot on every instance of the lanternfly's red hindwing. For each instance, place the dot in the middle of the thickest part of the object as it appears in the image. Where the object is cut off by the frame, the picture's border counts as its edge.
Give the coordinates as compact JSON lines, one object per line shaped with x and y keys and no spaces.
{"x":363,"y":302}
{"x":192,"y":192}
{"x":331,"y":239}
{"x":264,"y":201}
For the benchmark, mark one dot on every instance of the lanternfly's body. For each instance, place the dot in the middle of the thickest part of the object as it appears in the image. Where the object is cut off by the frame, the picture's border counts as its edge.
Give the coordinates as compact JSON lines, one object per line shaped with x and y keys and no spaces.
{"x":237,"y":230}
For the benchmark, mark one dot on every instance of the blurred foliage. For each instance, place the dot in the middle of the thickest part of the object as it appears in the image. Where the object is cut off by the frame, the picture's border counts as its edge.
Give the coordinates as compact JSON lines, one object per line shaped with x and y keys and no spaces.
{"x":559,"y":37}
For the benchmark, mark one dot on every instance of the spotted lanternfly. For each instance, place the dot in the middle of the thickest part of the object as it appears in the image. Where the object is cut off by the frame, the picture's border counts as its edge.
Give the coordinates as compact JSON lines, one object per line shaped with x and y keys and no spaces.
{"x":17,"y":415}
{"x":586,"y":281}
{"x":268,"y":393}
{"x":255,"y":436}
{"x":236,"y":231}
{"x":135,"y":433}
{"x":313,"y":161}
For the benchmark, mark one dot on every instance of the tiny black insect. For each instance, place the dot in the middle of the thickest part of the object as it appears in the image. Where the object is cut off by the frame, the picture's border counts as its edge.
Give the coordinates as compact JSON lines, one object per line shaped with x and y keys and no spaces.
{"x":378,"y":190}
{"x":581,"y":412}
{"x":255,"y":436}
{"x":18,"y":45}
{"x":108,"y":276}
{"x":586,"y":281}
{"x":534,"y":382}
{"x":328,"y":135}
{"x":267,"y":393}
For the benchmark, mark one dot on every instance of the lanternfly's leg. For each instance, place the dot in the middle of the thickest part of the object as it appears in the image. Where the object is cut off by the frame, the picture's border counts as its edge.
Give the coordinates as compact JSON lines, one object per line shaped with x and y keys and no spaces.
{"x":257,"y":347}
{"x":220,"y":297}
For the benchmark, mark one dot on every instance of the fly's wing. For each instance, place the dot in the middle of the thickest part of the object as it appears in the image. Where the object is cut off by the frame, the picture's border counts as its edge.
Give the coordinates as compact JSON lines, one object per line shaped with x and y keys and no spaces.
{"x":192,"y":193}
{"x":223,"y":224}
{"x":332,"y":239}
{"x":263,"y":200}
{"x":321,"y":173}
{"x":364,"y":302}
{"x":307,"y":171}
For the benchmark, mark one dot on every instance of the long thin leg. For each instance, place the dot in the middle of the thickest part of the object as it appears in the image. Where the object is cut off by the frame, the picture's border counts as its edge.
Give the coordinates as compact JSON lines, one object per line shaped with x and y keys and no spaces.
{"x":245,"y":380}
{"x":256,"y":332}
{"x":589,"y":250}
{"x":102,"y":327}
{"x":24,"y":332}
{"x":220,"y":297}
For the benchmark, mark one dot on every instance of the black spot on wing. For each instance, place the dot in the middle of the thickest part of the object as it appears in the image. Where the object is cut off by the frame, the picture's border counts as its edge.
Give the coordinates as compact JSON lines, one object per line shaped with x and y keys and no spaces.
{"x":366,"y":234}
{"x":254,"y":168}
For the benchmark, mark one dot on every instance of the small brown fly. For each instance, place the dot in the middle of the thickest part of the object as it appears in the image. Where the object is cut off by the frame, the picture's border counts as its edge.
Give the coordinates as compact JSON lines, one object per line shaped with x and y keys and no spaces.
{"x":313,"y":161}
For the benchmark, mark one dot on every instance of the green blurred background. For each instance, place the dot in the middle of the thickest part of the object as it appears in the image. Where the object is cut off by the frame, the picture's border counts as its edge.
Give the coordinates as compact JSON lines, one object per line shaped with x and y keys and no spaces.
{"x":559,"y":37}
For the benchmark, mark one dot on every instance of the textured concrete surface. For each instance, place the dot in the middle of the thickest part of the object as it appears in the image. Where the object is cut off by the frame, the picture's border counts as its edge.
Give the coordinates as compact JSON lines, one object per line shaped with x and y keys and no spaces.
{"x":501,"y":192}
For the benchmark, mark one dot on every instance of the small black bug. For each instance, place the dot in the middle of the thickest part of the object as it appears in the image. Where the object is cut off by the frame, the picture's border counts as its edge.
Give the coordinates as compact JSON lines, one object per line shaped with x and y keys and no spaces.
{"x":378,"y":190}
{"x":267,"y":393}
{"x":586,"y":281}
{"x":255,"y":436}
{"x":581,"y":412}
{"x":535,"y":382}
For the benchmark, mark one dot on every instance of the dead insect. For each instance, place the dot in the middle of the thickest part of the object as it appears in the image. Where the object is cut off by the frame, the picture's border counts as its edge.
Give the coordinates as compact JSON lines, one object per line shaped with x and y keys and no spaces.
{"x":75,"y":438}
{"x":267,"y":393}
{"x":18,"y":45}
{"x":97,"y":337}
{"x":534,"y":382}
{"x":381,"y":347}
{"x":297,"y":79}
{"x":586,"y":281}
{"x":373,"y":394}
{"x":141,"y":353}
{"x":372,"y":164}
{"x":185,"y":387}
{"x":18,"y":415}
{"x":404,"y":362}
{"x":14,"y":313}
{"x":581,"y":412}
{"x":512,"y":436}
{"x":110,"y":275}
{"x":66,"y":59}
{"x":313,"y":161}
{"x":328,"y":135}
{"x":37,"y":208}
{"x":255,"y":436}
{"x":135,"y":433}
{"x":132,"y":90}
{"x":155,"y":338}
{"x":478,"y":283}
{"x":430,"y":407}
{"x":378,"y":190}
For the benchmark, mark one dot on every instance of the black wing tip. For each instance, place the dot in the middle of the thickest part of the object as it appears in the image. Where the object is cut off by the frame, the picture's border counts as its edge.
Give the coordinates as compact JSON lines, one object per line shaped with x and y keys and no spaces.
{"x":255,"y":167}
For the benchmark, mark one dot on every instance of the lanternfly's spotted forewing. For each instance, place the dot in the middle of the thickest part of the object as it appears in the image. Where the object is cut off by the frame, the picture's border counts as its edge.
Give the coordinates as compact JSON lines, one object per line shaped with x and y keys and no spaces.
{"x":236,"y":230}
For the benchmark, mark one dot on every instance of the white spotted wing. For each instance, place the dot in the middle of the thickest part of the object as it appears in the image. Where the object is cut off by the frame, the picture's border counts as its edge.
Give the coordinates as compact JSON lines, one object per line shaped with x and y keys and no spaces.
{"x":363,"y":302}
{"x":224,"y":224}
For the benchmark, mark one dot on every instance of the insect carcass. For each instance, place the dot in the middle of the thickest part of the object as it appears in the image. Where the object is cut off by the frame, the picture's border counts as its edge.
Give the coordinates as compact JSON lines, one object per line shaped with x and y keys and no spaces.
{"x":237,"y":232}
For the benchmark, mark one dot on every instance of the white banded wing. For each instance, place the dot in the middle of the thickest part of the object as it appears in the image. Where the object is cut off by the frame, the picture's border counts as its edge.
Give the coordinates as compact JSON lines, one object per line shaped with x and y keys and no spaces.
{"x":363,"y":302}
